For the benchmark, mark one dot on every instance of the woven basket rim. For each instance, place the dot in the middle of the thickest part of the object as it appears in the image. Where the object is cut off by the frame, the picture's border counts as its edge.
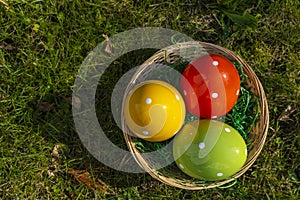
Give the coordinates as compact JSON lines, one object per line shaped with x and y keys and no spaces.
{"x":262,"y":123}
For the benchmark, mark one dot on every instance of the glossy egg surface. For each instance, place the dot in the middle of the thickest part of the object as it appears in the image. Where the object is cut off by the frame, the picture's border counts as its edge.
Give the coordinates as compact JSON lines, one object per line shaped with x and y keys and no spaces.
{"x":209,"y":150}
{"x":210,"y":86}
{"x":154,"y":110}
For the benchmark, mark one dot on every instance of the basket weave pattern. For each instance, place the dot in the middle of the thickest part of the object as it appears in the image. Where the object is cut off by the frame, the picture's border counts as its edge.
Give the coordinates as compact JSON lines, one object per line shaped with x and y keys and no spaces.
{"x":189,"y":51}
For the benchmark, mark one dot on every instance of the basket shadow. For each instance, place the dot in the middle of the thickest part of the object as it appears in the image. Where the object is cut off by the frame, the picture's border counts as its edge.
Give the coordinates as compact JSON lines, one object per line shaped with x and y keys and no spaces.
{"x":53,"y":114}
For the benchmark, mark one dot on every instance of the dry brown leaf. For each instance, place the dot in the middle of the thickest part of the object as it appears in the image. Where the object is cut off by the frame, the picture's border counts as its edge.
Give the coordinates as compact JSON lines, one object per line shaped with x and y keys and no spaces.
{"x":55,"y":151}
{"x":3,"y":95}
{"x":108,"y":48}
{"x":285,"y":115}
{"x":45,"y":106}
{"x":105,"y":37}
{"x":74,"y":101}
{"x":68,"y":100}
{"x":83,"y":176}
{"x":50,"y":173}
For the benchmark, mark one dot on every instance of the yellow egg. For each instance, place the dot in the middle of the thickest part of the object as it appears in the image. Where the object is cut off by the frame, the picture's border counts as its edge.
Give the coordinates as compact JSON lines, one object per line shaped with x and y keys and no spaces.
{"x":154,"y":110}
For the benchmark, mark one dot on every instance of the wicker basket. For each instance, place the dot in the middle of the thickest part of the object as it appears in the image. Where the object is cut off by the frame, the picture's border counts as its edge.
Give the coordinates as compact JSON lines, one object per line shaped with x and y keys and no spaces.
{"x":189,"y":51}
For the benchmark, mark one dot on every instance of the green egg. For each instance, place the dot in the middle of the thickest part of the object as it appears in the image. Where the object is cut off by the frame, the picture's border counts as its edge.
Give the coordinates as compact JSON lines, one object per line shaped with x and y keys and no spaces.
{"x":209,"y":150}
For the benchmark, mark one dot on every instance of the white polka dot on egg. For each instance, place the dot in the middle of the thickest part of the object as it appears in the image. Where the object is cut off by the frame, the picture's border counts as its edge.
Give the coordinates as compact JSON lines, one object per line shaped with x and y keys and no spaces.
{"x":214,"y":95}
{"x":181,"y":166}
{"x":184,"y":93}
{"x":148,"y":101}
{"x":227,"y":130}
{"x":237,"y":92}
{"x":215,"y":63}
{"x":219,"y":174}
{"x":145,"y":132}
{"x":201,"y":145}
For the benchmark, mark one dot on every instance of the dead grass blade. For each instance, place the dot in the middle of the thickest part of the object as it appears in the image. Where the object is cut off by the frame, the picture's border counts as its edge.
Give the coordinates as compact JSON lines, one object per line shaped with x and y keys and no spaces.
{"x":4,"y":4}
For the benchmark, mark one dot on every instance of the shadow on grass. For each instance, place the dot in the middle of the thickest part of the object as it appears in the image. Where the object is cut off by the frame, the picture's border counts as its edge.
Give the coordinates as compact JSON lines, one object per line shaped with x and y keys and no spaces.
{"x":54,"y":116}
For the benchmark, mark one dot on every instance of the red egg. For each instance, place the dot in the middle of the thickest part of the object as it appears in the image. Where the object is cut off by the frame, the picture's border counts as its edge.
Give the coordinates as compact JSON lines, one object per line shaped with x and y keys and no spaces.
{"x":210,"y":86}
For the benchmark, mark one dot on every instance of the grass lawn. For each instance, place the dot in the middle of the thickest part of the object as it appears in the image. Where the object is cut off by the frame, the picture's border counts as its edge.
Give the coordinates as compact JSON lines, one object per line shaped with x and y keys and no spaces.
{"x":43,"y":43}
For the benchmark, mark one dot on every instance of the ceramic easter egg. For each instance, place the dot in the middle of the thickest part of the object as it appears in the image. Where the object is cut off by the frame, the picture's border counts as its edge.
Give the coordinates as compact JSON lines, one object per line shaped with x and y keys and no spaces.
{"x":211,"y":86}
{"x":154,"y":110}
{"x":209,"y":150}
